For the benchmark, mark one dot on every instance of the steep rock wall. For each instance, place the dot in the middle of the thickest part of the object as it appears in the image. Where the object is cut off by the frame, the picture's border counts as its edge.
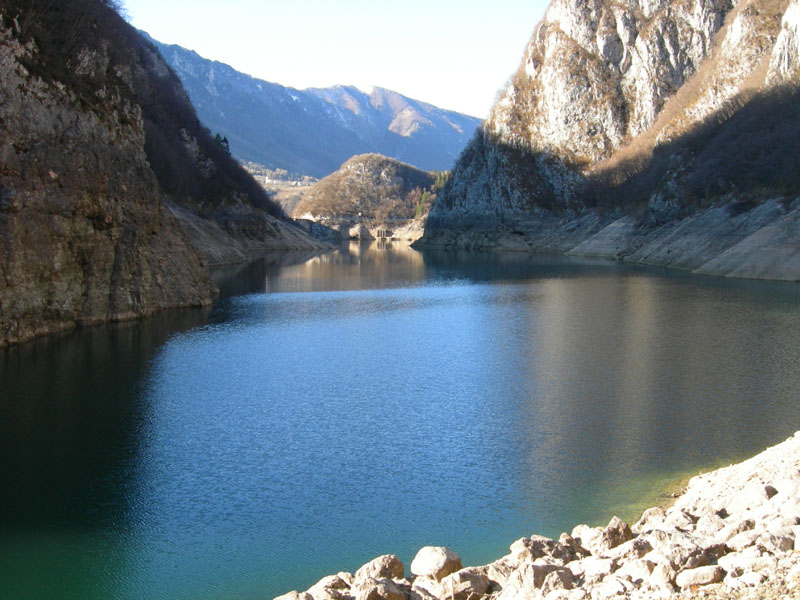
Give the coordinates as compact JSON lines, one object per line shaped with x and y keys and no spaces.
{"x":84,"y":236}
{"x":636,"y":116}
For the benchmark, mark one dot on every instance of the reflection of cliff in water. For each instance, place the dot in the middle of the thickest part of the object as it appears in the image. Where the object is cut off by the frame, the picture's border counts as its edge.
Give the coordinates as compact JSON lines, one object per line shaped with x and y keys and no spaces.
{"x":249,"y":277}
{"x":352,"y":266}
{"x":71,"y":421}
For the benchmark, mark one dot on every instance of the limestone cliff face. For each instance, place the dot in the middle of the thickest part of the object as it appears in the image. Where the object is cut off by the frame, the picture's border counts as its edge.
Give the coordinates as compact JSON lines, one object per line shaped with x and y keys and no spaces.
{"x":84,"y":237}
{"x":614,"y":113}
{"x":85,"y":108}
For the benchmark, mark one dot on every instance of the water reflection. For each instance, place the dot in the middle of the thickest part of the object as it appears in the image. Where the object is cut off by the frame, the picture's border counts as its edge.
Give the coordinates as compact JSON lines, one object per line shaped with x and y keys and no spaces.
{"x":354,"y":265}
{"x":412,"y":399}
{"x":71,"y":420}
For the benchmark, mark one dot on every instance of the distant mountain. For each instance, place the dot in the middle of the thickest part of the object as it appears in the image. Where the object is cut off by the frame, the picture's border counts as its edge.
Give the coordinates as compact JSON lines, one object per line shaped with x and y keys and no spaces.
{"x":313,"y":131}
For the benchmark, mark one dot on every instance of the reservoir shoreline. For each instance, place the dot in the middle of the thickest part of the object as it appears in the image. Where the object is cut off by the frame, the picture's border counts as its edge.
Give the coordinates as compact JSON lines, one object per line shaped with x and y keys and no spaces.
{"x":733,"y":532}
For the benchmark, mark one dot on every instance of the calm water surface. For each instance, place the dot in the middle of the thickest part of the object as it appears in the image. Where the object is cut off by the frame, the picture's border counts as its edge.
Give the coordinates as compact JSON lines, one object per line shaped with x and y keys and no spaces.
{"x":370,"y":401}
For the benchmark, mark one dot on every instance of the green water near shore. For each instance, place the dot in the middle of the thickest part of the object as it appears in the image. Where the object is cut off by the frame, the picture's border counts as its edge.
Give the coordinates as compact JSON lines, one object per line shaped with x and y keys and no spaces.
{"x":367,"y":401}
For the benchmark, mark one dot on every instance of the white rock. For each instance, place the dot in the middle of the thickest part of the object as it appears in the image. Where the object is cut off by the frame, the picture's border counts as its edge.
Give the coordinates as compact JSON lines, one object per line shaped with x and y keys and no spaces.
{"x":435,"y":562}
{"x":652,"y":518}
{"x":662,"y":577}
{"x":295,"y":595}
{"x":793,"y":577}
{"x":630,"y":550}
{"x":750,"y":497}
{"x":700,"y":576}
{"x":377,"y":589}
{"x":709,"y":525}
{"x":332,"y":587}
{"x":560,"y":579}
{"x":387,"y":566}
{"x":594,"y":569}
{"x":466,"y":584}
{"x":526,"y":581}
{"x":638,"y":570}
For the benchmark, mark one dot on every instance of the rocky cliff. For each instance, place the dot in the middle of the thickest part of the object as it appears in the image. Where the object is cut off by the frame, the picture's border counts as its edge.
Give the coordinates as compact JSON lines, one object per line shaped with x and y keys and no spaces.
{"x":95,"y":132}
{"x":313,"y":131}
{"x":654,"y":131}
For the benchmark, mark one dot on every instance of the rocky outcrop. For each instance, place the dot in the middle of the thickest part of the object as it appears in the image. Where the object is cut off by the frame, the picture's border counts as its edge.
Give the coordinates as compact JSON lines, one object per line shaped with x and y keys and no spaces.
{"x":636,"y":117}
{"x":95,"y":134}
{"x":372,"y":196}
{"x":84,"y":236}
{"x":732,"y":533}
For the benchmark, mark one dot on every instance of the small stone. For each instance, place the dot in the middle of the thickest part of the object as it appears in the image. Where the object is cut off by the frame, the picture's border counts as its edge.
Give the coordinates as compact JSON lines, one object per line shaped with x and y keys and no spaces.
{"x":435,"y":562}
{"x":700,"y":576}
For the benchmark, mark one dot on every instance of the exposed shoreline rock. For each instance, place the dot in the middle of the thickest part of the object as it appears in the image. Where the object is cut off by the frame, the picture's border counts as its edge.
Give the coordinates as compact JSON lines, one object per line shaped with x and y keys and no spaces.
{"x":733,"y":533}
{"x":759,"y":242}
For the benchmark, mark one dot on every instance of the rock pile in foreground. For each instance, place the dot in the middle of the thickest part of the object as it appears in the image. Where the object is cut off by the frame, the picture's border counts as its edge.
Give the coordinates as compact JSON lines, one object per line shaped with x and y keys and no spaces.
{"x":733,"y":533}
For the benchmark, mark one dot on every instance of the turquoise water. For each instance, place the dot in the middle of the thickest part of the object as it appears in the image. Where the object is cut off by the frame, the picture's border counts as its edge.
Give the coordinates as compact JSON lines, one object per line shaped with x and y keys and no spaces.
{"x":369,"y":401}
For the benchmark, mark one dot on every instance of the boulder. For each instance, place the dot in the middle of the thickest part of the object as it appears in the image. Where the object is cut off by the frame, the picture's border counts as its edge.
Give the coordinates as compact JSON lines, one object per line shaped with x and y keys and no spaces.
{"x":466,"y":584}
{"x":499,"y":571}
{"x":638,"y":571}
{"x":709,"y":525}
{"x":600,"y":540}
{"x":679,"y":519}
{"x":630,"y":550}
{"x":560,"y":579}
{"x":752,"y":496}
{"x":332,"y":587}
{"x":662,"y":577}
{"x":435,"y":562}
{"x":377,"y":589}
{"x":652,"y":518}
{"x":387,"y":566}
{"x":593,"y":568}
{"x":526,"y":581}
{"x":700,"y":576}
{"x":538,"y":546}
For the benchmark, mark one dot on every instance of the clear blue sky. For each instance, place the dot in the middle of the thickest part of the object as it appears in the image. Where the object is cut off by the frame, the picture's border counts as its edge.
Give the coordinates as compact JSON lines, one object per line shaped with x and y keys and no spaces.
{"x":454,"y":54}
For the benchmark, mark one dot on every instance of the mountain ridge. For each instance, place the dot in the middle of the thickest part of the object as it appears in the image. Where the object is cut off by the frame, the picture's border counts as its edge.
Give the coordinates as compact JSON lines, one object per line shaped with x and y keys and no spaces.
{"x":313,"y":131}
{"x":648,"y":131}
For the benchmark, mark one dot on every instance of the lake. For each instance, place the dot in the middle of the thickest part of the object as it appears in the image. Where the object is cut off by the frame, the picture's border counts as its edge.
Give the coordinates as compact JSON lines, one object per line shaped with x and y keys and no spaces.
{"x":373,"y":400}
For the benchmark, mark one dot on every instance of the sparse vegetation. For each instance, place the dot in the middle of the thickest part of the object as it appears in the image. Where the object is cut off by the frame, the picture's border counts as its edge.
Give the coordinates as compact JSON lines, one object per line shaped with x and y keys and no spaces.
{"x":86,"y":46}
{"x":747,"y":149}
{"x":373,"y":188}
